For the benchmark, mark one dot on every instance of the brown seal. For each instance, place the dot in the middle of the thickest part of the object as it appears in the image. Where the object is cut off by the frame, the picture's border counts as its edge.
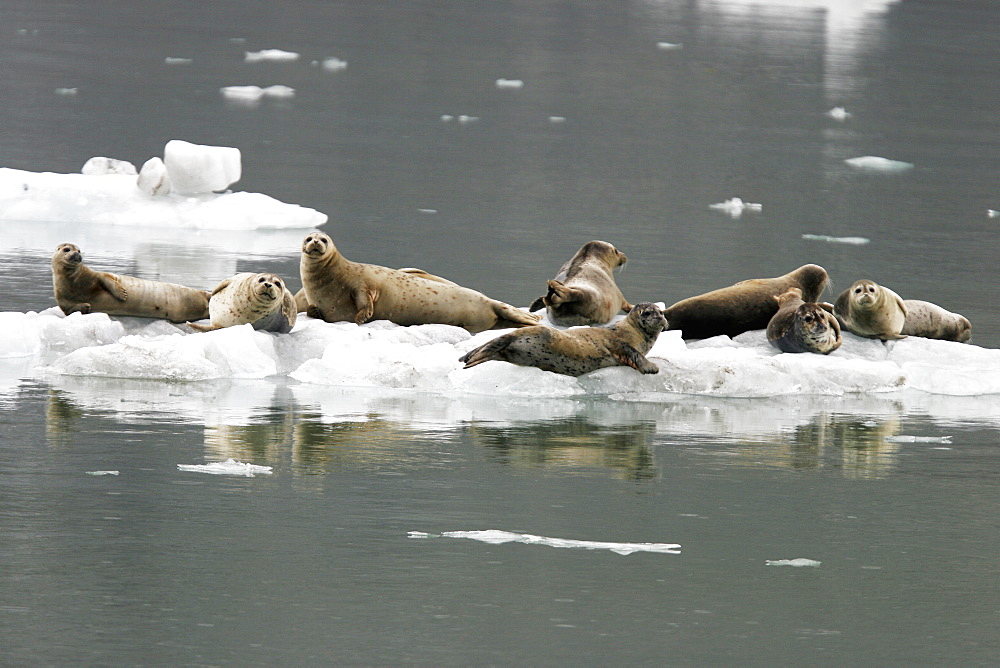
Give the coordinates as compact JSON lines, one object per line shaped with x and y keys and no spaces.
{"x":744,"y":306}
{"x":80,"y":288}
{"x":338,"y":290}
{"x":574,"y":352}
{"x":933,"y":322}
{"x":803,"y":327}
{"x":871,"y":310}
{"x":260,"y":300}
{"x":584,"y":291}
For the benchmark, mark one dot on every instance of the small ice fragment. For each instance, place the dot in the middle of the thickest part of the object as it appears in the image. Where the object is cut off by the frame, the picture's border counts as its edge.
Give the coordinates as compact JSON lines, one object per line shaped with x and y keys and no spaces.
{"x":102,"y":472}
{"x":557,"y":119}
{"x":275,"y":55}
{"x":496,"y":537}
{"x":153,"y":178}
{"x":418,"y":534}
{"x":427,"y":211}
{"x":856,"y":241}
{"x":796,"y":563}
{"x":243,"y":93}
{"x":668,"y":46}
{"x":736,"y":206}
{"x":875,"y":163}
{"x":903,"y":438}
{"x":280,"y":92}
{"x":178,"y":61}
{"x":228,"y":467}
{"x":67,"y":92}
{"x":99,"y":166}
{"x":838,"y":114}
{"x":463,"y":119}
{"x":992,"y":213}
{"x":510,"y":83}
{"x":447,"y":118}
{"x":333,"y":64}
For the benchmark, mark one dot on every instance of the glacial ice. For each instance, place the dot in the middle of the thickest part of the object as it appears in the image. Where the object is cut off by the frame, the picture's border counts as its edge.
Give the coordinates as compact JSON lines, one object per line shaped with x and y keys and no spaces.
{"x":273,"y":55}
{"x":425,"y":358}
{"x":195,"y":169}
{"x":735,"y":207}
{"x":228,"y":467}
{"x":795,"y":563}
{"x":874,"y":163}
{"x":498,"y":537}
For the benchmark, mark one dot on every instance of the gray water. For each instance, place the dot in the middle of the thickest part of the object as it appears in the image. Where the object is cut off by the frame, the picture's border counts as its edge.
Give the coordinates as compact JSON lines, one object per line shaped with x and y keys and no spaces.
{"x":313,"y":564}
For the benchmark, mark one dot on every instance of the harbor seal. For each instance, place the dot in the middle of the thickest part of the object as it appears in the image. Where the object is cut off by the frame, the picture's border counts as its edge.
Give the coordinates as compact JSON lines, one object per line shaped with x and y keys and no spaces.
{"x":80,"y":288}
{"x":584,"y":291}
{"x":742,"y":307}
{"x":574,"y":352}
{"x":803,"y":327}
{"x":262,"y":300}
{"x":339,"y":290}
{"x":933,"y":322}
{"x":871,"y":310}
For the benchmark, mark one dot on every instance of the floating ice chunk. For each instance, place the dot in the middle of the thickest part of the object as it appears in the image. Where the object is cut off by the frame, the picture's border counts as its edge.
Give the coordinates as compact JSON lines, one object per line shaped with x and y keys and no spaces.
{"x":465,"y":120}
{"x":178,"y":61}
{"x":242,"y":93}
{"x":903,"y":438}
{"x":67,"y":92}
{"x":557,"y":119}
{"x":497,"y":537}
{"x":796,"y":563}
{"x":228,"y":467}
{"x":279,"y":92}
{"x":855,"y":241}
{"x":447,"y":118}
{"x":669,"y":46}
{"x":100,"y":166}
{"x":194,"y":168}
{"x":274,"y":55}
{"x":735,"y":207}
{"x":153,"y":178}
{"x":427,"y":211}
{"x":102,"y":472}
{"x":992,"y":214}
{"x":874,"y":163}
{"x":838,"y":114}
{"x":509,"y":83}
{"x":332,"y":64}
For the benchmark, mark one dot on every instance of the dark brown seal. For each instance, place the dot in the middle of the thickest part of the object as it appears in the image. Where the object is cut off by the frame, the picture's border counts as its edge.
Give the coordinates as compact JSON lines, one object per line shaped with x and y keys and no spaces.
{"x":871,"y":310}
{"x":803,"y":327}
{"x":574,"y":352}
{"x":584,"y":291}
{"x":933,"y":322}
{"x":744,"y":306}
{"x":80,"y":288}
{"x":339,"y":290}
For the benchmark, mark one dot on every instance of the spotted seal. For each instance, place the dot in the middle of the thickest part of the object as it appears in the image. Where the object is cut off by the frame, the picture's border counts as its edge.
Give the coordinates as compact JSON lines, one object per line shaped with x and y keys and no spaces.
{"x":934,"y":322}
{"x":803,"y":327}
{"x":78,"y":288}
{"x":584,"y":291}
{"x":742,"y":307}
{"x":574,"y":352}
{"x":337,"y":290}
{"x":261,"y":300}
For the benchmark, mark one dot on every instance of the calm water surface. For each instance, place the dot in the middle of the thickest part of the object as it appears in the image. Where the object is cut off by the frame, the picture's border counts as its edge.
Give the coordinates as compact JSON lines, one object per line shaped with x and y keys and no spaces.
{"x":313,"y":564}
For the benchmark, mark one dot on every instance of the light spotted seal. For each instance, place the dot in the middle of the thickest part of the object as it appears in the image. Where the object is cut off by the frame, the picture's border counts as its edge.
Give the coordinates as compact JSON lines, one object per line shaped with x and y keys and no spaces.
{"x":80,"y":288}
{"x":584,"y":291}
{"x":574,"y":352}
{"x":871,"y":310}
{"x":742,"y":307}
{"x":933,"y":322}
{"x":803,"y":327}
{"x":261,"y":300}
{"x":338,"y":290}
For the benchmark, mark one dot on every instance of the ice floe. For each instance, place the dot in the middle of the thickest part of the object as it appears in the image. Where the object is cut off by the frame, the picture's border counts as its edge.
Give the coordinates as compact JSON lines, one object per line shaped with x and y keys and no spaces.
{"x":509,"y":83}
{"x":228,"y":467}
{"x":838,"y":114}
{"x":178,"y":191}
{"x":498,"y":537}
{"x":874,"y":163}
{"x":795,"y":563}
{"x":272,"y":55}
{"x":854,"y":241}
{"x":735,"y":207}
{"x":331,"y":64}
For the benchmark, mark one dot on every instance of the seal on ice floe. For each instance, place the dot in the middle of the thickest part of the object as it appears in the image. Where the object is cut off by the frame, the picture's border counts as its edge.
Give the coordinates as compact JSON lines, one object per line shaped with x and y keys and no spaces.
{"x":584,"y":291}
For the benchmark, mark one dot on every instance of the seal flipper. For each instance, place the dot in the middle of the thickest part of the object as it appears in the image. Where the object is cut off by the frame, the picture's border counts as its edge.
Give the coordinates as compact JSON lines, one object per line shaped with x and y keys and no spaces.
{"x":537,"y":305}
{"x":83,"y":307}
{"x":629,"y":356}
{"x":559,"y":294}
{"x":508,"y":316}
{"x":486,"y":353}
{"x":113,"y":285}
{"x":202,"y":328}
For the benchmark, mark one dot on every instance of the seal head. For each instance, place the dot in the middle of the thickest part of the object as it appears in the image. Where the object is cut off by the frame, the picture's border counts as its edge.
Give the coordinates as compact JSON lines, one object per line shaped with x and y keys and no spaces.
{"x":871,"y":310}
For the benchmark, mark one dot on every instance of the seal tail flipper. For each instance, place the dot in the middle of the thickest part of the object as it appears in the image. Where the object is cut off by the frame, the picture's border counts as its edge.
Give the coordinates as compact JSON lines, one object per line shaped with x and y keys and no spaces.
{"x":301,"y":303}
{"x":558,"y":294}
{"x":508,"y":316}
{"x":485,"y":353}
{"x":537,"y":305}
{"x":202,"y":328}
